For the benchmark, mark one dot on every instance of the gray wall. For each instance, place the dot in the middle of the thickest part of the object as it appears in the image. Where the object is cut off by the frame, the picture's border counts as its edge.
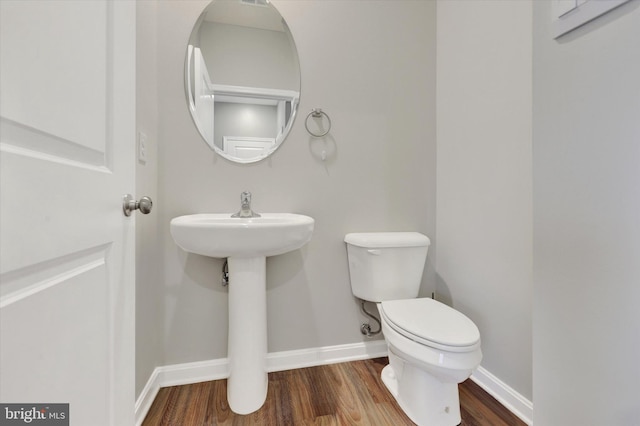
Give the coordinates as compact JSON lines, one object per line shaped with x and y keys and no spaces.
{"x":230,"y":120}
{"x":484,"y":212}
{"x":586,"y":220}
{"x":371,"y":67}
{"x":242,"y":56}
{"x":149,"y":294}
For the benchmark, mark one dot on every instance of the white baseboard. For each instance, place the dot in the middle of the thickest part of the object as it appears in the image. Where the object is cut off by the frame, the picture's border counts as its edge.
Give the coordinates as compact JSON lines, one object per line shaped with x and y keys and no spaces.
{"x":289,"y":360}
{"x":507,"y":396}
{"x":195,"y":372}
{"x":148,"y":394}
{"x":178,"y":374}
{"x":202,"y":371}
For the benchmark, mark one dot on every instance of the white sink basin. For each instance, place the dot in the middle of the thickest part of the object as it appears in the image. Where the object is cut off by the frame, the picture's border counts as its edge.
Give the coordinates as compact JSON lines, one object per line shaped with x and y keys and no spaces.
{"x":246,"y":243}
{"x":220,"y":235}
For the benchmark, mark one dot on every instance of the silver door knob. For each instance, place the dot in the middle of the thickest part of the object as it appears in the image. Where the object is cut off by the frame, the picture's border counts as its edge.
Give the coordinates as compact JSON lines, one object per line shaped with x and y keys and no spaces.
{"x":129,"y":204}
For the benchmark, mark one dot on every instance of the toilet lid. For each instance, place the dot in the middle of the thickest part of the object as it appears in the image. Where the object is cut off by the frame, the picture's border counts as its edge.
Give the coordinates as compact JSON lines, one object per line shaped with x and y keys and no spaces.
{"x":428,"y":321}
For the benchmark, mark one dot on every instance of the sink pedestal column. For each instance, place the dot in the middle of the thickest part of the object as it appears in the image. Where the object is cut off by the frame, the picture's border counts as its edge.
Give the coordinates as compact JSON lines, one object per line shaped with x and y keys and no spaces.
{"x":247,"y":349}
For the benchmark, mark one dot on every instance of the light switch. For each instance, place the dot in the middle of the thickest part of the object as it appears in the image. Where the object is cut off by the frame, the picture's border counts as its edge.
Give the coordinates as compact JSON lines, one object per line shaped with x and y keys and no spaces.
{"x":142,"y":148}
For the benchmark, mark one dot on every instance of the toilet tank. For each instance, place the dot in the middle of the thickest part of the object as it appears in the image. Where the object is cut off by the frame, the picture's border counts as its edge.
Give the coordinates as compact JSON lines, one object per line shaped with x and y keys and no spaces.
{"x":386,"y":265}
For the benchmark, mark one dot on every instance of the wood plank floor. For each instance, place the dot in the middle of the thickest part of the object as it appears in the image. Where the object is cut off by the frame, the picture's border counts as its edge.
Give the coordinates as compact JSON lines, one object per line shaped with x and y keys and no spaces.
{"x":339,"y":394}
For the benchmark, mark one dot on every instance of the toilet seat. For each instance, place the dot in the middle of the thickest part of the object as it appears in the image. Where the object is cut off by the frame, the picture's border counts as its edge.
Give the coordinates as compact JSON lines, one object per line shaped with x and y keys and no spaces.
{"x":431,"y":323}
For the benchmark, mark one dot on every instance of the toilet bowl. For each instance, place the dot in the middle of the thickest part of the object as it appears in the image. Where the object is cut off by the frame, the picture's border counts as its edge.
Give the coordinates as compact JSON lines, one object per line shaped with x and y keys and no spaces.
{"x":423,"y":374}
{"x":431,"y":346}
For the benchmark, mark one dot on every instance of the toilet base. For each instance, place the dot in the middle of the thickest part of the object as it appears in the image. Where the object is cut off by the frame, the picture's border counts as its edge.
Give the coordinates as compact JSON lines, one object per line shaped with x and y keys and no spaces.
{"x":424,"y":399}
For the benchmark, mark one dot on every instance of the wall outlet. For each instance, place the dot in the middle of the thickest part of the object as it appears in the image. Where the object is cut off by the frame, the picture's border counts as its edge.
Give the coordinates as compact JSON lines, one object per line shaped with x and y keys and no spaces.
{"x":142,"y":148}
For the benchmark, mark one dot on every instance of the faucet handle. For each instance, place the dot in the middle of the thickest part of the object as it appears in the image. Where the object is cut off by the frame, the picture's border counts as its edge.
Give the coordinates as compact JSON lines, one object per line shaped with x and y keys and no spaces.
{"x":245,"y":197}
{"x":245,"y":206}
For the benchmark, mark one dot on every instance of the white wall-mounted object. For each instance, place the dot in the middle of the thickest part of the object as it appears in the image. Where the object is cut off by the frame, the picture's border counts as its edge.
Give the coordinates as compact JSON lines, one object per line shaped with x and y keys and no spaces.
{"x":568,"y":15}
{"x":142,"y":148}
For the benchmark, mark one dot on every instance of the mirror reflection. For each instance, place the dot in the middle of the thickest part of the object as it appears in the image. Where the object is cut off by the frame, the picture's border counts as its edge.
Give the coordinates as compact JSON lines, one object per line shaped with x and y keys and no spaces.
{"x":242,"y":78}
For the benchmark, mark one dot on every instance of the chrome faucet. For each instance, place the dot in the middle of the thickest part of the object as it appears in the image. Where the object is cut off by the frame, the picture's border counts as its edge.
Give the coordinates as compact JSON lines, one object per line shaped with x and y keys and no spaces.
{"x":245,"y":206}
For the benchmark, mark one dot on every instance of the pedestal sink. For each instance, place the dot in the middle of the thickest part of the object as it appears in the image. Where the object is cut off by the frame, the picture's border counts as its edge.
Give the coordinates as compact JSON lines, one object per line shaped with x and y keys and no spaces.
{"x":246,"y":243}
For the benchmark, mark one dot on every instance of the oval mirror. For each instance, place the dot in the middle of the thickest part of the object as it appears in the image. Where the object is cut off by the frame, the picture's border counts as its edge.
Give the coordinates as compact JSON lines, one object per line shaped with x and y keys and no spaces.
{"x":242,"y":78}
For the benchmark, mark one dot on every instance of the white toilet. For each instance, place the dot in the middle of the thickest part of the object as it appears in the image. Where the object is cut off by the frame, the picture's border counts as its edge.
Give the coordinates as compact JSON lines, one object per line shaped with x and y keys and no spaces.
{"x":432,"y":347}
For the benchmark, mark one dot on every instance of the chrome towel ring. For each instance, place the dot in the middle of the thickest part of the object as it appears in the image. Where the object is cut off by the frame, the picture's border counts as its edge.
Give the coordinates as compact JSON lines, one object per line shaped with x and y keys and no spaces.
{"x":317,"y":113}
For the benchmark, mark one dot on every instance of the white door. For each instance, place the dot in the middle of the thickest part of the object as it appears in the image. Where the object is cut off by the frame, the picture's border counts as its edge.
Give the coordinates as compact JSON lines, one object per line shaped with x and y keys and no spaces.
{"x":67,"y":132}
{"x":204,"y":106}
{"x":247,"y":149}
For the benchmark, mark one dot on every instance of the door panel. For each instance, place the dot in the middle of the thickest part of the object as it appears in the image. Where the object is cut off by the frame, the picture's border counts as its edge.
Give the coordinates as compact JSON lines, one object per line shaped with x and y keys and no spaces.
{"x":58,"y":51}
{"x":67,"y":140}
{"x":52,"y":347}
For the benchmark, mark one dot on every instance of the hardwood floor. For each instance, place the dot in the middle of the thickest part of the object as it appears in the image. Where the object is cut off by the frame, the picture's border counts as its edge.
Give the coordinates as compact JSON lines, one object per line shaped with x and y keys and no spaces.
{"x":339,"y":394}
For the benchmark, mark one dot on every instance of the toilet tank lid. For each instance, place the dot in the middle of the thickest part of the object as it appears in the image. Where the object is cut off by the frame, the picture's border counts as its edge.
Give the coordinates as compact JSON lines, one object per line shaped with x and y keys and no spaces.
{"x":387,"y":239}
